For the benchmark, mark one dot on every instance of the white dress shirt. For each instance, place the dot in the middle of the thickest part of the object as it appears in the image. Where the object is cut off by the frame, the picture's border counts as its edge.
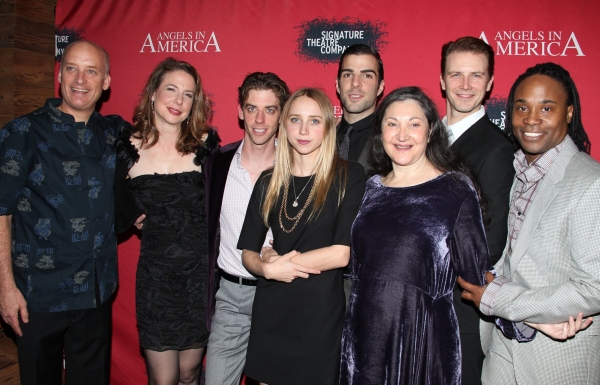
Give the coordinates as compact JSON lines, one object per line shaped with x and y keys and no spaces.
{"x":236,"y":196}
{"x":460,"y":127}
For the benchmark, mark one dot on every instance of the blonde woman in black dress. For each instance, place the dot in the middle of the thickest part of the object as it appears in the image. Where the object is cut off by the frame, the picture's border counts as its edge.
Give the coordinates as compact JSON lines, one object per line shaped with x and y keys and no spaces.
{"x":309,"y":200}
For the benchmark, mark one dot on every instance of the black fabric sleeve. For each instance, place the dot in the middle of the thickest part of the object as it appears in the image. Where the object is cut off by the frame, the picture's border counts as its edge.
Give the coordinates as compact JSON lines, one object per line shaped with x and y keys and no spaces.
{"x":126,"y":207}
{"x":254,"y":230}
{"x":348,"y":209}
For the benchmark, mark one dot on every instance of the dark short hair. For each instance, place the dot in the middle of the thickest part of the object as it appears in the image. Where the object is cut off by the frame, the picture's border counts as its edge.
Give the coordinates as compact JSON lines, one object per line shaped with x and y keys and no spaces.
{"x":562,"y":76}
{"x":362,"y":49}
{"x":263,"y":81}
{"x":468,"y":44}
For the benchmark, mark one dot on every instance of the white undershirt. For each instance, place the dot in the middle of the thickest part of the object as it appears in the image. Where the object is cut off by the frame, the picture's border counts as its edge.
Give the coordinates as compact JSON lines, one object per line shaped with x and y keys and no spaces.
{"x":238,"y":189}
{"x":463,"y":125}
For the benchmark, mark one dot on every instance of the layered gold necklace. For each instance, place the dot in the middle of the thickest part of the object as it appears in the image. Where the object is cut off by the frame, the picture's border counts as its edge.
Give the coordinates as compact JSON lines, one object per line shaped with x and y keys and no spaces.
{"x":284,"y":203}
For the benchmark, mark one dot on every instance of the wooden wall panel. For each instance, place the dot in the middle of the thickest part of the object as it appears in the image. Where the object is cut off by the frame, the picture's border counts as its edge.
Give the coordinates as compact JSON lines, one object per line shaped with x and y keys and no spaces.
{"x":8,"y":83}
{"x":7,"y":7}
{"x":39,"y":10}
{"x":31,"y":35}
{"x":7,"y":30}
{"x":34,"y":80}
{"x":26,"y":56}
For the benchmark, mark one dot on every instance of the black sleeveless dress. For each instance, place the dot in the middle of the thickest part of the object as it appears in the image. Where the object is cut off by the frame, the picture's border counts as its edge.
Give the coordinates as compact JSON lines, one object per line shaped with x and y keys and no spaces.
{"x":172,"y":273}
{"x":173,"y":266}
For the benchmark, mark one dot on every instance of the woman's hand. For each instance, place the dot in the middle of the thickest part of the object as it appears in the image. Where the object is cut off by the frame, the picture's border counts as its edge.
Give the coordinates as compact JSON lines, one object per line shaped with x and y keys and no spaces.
{"x":562,"y":331}
{"x":284,"y":270}
{"x":139,"y":222}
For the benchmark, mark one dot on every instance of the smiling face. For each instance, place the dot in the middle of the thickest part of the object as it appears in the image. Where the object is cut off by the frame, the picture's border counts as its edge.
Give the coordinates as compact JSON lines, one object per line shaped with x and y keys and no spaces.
{"x":304,"y":127}
{"x":82,"y":77}
{"x":358,"y":86}
{"x":405,"y":133}
{"x":173,"y":99}
{"x":466,"y":80}
{"x":540,"y":115}
{"x":260,"y":114}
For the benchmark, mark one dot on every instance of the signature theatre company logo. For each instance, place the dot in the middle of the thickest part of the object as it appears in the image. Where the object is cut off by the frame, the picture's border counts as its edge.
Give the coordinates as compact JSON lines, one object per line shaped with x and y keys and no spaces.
{"x":496,"y":110}
{"x":324,"y":40}
{"x":63,"y":37}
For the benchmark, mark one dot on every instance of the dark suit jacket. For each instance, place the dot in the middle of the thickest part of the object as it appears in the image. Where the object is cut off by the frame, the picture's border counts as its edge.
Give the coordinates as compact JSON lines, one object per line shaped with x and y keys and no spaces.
{"x":363,"y":158}
{"x":216,"y":169}
{"x":490,"y":156}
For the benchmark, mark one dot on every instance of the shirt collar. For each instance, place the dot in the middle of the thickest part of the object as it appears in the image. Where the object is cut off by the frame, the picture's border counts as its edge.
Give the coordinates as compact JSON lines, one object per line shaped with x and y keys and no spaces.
{"x":361,"y":125}
{"x":463,"y":125}
{"x":238,"y":153}
{"x":51,"y":107}
{"x":531,"y":173}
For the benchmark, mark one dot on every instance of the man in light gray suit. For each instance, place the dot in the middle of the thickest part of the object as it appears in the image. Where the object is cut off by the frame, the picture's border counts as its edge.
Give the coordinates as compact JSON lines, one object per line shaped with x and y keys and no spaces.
{"x":549,"y":274}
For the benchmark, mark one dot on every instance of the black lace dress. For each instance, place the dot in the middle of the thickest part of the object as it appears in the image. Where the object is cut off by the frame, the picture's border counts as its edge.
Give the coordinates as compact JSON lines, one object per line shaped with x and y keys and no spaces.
{"x":172,"y":272}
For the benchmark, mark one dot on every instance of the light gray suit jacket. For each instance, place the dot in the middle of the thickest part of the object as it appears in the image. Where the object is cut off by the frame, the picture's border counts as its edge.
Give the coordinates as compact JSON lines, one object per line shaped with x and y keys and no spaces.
{"x":554,"y":270}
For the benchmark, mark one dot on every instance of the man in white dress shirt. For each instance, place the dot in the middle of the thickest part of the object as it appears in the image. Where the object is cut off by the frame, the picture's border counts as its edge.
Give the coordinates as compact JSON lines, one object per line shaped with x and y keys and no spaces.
{"x":467,"y":75}
{"x":231,"y":173}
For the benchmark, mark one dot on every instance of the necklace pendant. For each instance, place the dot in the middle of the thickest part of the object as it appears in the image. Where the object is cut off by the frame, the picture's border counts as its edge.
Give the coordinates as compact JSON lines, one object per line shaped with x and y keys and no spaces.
{"x":295,"y":204}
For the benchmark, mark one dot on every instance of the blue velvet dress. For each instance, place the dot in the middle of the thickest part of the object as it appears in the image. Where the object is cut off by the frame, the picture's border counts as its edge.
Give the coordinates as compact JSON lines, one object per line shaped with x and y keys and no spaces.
{"x":408,"y":246}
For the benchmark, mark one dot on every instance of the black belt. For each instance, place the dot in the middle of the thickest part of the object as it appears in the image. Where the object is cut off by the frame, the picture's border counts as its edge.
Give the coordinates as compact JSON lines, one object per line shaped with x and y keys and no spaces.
{"x":239,"y":280}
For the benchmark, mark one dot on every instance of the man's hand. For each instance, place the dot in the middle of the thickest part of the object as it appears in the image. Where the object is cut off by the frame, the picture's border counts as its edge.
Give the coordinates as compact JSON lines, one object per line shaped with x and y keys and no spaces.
{"x":472,"y":292}
{"x":12,"y":303}
{"x":138,"y":222}
{"x":563,"y":330}
{"x":284,"y":270}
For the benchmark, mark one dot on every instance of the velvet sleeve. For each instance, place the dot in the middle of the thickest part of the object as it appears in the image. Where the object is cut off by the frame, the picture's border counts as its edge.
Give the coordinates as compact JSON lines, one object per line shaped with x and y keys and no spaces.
{"x":348,"y":209}
{"x":469,"y":251}
{"x":254,"y":230}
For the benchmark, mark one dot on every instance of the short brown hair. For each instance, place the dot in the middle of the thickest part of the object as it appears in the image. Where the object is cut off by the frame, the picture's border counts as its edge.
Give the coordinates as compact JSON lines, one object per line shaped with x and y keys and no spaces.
{"x":263,"y":81}
{"x":469,"y":44}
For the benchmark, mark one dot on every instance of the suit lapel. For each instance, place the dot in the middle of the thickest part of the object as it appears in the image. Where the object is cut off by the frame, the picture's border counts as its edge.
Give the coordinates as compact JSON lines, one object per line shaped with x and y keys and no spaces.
{"x":218,"y":178}
{"x":364,"y":155}
{"x":545,"y":195}
{"x":474,"y":130}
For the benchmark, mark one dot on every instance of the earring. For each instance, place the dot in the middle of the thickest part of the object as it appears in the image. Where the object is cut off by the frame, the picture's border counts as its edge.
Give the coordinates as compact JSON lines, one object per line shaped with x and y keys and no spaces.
{"x":152,"y":105}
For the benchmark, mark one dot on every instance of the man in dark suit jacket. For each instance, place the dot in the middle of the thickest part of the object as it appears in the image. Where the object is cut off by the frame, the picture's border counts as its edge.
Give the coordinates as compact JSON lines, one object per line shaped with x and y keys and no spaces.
{"x":359,"y":84}
{"x":231,"y":173}
{"x":467,"y":74}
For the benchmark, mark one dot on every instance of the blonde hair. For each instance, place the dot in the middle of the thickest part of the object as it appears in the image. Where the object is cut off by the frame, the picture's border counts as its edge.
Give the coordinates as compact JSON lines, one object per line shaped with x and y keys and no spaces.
{"x":327,"y":160}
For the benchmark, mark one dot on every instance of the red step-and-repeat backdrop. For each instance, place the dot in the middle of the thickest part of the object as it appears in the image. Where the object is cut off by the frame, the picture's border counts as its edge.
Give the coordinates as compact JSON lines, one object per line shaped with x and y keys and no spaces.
{"x":301,"y":41}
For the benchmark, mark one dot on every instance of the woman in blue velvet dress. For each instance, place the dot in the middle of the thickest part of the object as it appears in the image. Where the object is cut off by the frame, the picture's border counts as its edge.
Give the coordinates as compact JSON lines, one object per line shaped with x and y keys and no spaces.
{"x":419,"y":227}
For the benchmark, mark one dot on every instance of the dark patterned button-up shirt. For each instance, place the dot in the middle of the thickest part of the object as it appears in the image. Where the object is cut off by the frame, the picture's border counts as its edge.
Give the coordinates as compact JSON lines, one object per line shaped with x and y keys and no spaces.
{"x":57,"y":179}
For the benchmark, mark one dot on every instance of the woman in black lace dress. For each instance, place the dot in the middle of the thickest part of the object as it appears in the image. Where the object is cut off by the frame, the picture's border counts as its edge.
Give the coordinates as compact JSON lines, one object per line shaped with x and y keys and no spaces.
{"x":164,"y":155}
